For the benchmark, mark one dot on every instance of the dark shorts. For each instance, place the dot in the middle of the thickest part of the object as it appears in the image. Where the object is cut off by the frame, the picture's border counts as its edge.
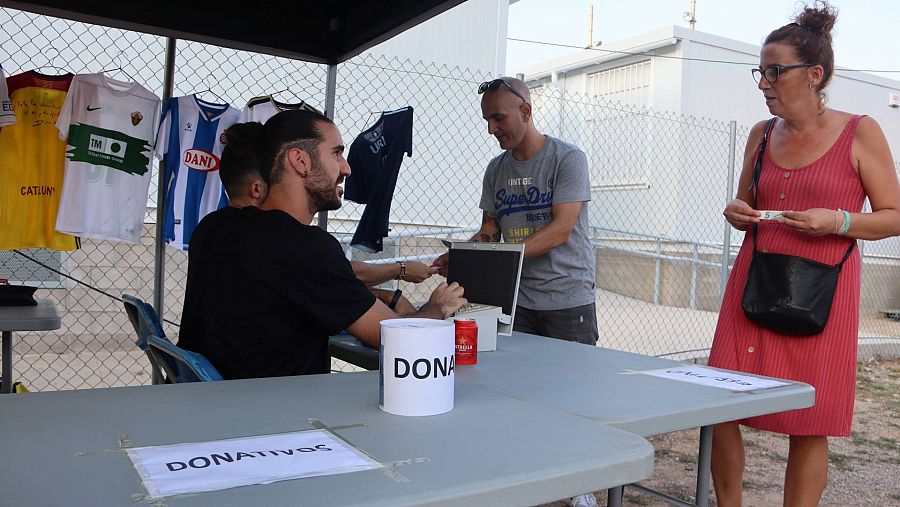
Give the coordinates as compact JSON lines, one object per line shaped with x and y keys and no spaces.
{"x":578,"y":324}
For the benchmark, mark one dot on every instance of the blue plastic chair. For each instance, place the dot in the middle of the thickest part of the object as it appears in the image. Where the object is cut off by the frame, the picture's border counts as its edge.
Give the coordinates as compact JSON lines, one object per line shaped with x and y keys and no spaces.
{"x":146,"y":323}
{"x":188,"y":366}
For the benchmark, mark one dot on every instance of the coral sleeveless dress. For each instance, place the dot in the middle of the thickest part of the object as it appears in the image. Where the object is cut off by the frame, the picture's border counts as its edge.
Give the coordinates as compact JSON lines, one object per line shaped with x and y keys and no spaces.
{"x":826,"y":361}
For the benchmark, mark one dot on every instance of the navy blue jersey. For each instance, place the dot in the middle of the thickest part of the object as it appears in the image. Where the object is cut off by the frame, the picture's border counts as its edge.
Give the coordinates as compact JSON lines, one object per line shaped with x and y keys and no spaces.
{"x":375,"y":158}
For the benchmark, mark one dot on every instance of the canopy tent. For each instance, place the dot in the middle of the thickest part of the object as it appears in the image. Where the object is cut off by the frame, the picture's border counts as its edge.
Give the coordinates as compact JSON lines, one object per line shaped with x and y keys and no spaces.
{"x":323,"y":31}
{"x":319,"y":31}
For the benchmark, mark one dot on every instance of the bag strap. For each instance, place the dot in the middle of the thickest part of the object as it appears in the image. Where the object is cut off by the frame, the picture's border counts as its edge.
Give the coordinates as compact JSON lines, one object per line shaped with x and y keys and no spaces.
{"x":757,"y":170}
{"x":754,"y":186}
{"x":757,"y":167}
{"x":846,"y":255}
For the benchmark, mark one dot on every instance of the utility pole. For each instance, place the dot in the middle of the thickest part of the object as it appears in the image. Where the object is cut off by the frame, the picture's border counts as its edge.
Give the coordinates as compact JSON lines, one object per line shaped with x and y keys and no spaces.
{"x":691,"y":15}
{"x":590,"y":43}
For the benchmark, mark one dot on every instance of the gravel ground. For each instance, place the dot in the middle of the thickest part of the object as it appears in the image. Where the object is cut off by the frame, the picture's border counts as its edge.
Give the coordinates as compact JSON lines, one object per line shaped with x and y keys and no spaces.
{"x":863,"y":469}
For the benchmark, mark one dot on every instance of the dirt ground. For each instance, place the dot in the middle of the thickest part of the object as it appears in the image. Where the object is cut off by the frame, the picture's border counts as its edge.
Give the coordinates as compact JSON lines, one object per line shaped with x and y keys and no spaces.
{"x":863,"y":469}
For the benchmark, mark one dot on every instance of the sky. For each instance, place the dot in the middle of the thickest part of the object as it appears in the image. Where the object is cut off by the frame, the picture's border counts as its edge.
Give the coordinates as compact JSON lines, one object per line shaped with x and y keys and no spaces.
{"x":865,"y":36}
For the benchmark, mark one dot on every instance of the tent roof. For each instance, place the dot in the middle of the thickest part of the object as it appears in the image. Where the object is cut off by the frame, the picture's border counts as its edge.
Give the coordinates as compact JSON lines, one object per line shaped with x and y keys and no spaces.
{"x":322,"y":31}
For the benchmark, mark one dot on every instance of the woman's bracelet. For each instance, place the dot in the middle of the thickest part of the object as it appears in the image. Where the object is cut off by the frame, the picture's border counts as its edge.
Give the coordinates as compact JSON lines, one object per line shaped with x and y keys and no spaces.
{"x":402,"y":274}
{"x":846,"y":225}
{"x":838,"y":221}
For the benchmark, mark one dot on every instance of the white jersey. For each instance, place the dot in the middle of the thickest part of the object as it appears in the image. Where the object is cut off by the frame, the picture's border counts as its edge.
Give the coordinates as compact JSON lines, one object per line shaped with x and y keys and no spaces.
{"x":108,"y":126}
{"x":262,"y":108}
{"x":7,"y":115}
{"x":191,"y":138}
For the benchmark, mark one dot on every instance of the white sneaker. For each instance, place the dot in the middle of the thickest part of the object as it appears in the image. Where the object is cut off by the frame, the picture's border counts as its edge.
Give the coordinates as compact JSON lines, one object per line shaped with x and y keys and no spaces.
{"x":588,"y":500}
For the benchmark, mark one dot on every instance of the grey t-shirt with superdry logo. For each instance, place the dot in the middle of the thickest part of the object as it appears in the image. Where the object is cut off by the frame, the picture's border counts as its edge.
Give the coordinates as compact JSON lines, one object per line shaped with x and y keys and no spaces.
{"x":521,"y":194}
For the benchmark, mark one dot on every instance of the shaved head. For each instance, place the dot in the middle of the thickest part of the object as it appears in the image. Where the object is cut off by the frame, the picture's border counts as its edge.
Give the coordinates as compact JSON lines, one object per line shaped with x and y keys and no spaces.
{"x":519,"y":86}
{"x":506,"y":105}
{"x":503,"y":86}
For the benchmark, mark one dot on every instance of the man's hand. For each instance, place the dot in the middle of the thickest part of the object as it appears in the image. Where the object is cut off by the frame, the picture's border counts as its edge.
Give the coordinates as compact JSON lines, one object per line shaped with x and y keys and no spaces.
{"x":445,"y":300}
{"x":441,"y":264}
{"x":489,"y":233}
{"x":417,"y":272}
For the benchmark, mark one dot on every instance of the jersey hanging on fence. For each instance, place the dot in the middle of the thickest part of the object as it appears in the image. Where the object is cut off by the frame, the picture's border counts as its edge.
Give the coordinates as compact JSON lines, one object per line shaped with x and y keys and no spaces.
{"x":32,"y":164}
{"x":262,"y":108}
{"x":7,"y":116}
{"x":375,"y":158}
{"x":190,"y":140}
{"x":109,"y":127}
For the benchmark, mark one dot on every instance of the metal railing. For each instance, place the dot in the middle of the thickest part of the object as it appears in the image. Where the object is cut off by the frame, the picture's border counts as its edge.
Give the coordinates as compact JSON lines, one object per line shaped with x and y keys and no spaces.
{"x":659,"y":257}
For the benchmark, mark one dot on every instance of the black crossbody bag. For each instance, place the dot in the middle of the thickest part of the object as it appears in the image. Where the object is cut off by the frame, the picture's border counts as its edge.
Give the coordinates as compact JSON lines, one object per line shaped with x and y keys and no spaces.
{"x":785,"y":293}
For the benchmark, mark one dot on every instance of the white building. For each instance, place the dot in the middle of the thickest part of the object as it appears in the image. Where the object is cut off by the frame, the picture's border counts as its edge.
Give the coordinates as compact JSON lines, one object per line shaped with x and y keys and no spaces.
{"x":471,"y":35}
{"x":664,"y":172}
{"x":699,"y":74}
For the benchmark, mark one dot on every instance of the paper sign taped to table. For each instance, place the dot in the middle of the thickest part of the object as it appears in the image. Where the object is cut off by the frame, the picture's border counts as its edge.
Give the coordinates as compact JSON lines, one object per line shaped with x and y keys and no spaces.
{"x":210,"y":466}
{"x":715,"y":378}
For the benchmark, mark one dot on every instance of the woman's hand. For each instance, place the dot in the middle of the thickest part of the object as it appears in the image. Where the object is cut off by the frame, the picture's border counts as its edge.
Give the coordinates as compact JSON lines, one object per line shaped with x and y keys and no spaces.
{"x":740,"y":215}
{"x":814,"y":221}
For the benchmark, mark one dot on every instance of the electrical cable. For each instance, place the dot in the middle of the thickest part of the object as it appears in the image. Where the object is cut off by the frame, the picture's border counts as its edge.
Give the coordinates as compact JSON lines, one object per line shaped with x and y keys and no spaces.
{"x":89,"y":286}
{"x":670,"y":57}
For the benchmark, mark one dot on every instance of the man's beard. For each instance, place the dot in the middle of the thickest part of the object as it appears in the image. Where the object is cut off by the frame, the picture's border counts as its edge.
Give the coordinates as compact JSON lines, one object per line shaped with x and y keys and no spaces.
{"x":322,"y":193}
{"x":323,"y":200}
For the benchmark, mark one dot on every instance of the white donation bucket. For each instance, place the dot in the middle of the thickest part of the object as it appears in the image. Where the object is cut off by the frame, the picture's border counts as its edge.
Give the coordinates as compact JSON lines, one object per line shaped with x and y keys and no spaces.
{"x":417,"y":366}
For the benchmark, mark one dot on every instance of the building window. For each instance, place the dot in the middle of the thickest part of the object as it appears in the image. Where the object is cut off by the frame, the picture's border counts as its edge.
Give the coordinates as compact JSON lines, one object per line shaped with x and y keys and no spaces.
{"x":628,"y":84}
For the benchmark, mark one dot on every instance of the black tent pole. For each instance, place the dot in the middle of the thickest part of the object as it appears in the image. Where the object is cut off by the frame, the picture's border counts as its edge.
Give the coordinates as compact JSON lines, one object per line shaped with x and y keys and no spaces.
{"x":159,"y":268}
{"x":330,"y":91}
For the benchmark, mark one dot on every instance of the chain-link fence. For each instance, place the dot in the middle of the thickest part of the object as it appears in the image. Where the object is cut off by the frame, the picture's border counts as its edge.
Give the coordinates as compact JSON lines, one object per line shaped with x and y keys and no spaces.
{"x":659,"y":182}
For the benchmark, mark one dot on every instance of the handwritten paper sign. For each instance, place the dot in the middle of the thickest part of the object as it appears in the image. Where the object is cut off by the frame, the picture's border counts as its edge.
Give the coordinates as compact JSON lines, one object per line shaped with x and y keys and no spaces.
{"x":210,"y":466}
{"x":715,"y":378}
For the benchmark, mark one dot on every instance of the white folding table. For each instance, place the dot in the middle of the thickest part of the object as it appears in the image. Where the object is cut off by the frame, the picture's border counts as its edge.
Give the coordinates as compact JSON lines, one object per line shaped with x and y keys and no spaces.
{"x":67,"y":447}
{"x":604,"y":385}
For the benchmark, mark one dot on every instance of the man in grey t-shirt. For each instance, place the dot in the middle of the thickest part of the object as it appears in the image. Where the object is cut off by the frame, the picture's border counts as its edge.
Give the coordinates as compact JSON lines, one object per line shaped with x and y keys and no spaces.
{"x":537,"y":192}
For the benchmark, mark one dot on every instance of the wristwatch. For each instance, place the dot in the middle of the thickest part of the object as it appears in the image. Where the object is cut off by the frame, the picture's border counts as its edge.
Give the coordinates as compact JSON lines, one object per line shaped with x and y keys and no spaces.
{"x":402,"y":274}
{"x":395,"y":299}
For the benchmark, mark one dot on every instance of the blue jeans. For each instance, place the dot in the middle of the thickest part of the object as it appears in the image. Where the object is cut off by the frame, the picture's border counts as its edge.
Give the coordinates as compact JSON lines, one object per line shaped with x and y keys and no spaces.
{"x":578,"y":324}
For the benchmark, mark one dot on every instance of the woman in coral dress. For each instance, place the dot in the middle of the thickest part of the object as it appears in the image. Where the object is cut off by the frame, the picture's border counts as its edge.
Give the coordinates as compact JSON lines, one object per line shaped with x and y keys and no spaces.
{"x":818,"y":167}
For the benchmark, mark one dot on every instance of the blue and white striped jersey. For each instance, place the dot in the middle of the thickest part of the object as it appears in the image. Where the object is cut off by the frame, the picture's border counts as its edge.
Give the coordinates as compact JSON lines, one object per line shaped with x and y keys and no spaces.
{"x":191,"y":138}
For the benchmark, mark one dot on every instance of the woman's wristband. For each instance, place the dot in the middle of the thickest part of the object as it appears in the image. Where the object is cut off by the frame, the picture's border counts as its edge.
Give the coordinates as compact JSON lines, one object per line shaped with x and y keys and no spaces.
{"x":402,"y":274}
{"x":846,"y":225}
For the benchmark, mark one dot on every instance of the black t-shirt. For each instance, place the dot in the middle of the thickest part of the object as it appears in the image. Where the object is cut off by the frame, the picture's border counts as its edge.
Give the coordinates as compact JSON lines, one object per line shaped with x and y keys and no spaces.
{"x":264,"y":292}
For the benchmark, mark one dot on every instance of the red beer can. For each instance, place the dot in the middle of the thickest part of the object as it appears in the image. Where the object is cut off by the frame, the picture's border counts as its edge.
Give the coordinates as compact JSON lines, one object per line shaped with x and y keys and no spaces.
{"x":466,"y":341}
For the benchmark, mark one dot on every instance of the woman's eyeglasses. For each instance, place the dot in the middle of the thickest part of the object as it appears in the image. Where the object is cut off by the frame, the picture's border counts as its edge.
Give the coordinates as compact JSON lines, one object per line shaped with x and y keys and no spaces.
{"x":497,"y":83}
{"x":772,"y":72}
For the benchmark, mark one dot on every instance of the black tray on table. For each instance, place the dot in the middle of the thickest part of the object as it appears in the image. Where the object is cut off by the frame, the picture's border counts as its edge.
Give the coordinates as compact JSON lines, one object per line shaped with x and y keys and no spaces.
{"x":17,"y":295}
